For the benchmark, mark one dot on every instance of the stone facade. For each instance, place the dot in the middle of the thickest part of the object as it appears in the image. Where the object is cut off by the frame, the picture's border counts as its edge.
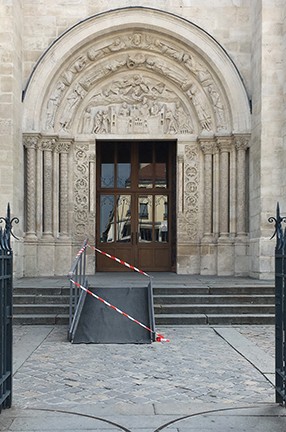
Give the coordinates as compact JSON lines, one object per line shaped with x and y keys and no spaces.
{"x":90,"y":72}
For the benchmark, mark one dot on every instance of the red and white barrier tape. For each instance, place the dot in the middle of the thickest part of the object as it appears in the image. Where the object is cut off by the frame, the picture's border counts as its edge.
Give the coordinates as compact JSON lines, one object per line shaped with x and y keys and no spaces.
{"x":119,"y":261}
{"x":158,"y":337}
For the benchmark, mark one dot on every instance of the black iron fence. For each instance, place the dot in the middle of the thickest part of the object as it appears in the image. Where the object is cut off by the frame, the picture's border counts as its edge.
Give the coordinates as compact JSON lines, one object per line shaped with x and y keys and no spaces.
{"x":6,"y":307}
{"x":77,"y":273}
{"x":280,"y":307}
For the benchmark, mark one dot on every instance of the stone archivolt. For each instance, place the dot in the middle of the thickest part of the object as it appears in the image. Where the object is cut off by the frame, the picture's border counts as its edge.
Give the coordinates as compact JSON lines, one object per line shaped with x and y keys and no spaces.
{"x":136,"y":82}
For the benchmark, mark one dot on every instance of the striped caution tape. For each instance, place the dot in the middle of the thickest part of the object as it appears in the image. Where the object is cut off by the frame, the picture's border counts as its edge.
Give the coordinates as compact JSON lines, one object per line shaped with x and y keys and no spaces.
{"x":158,"y":337}
{"x":119,"y":261}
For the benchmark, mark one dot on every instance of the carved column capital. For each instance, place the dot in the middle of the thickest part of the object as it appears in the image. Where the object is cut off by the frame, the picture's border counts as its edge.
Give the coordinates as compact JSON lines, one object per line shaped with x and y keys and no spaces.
{"x":48,"y":143}
{"x":224,"y":144}
{"x":63,"y":146}
{"x":208,"y":145}
{"x":31,"y":141}
{"x":241,"y":142}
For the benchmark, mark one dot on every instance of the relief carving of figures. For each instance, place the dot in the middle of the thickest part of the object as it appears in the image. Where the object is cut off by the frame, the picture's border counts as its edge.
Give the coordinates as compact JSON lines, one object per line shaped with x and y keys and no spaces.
{"x":96,"y":53}
{"x":53,"y":104}
{"x":73,"y":100}
{"x":101,"y":122}
{"x":135,"y":51}
{"x":153,"y":63}
{"x":70,"y":74}
{"x":200,"y":105}
{"x":136,"y":105}
{"x":218,"y":107}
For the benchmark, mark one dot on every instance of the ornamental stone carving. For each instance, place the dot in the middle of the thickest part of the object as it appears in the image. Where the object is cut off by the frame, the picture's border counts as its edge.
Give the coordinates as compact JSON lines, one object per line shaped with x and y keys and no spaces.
{"x":169,"y":61}
{"x":188,"y":221}
{"x":81,"y":190}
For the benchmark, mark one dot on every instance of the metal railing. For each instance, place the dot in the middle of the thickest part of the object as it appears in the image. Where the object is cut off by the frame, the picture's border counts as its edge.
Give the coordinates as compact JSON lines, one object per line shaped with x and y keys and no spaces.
{"x":77,"y":273}
{"x":6,"y":310}
{"x":280,"y":307}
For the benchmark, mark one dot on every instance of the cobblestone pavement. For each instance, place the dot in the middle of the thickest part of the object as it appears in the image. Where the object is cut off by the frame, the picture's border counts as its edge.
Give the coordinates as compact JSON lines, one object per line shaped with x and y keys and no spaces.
{"x":197,"y":365}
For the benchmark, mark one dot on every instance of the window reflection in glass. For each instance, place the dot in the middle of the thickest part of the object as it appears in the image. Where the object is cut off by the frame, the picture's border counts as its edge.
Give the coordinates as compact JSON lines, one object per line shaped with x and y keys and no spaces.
{"x":107,"y":175}
{"x":161,"y":162}
{"x":123,"y":218}
{"x":145,"y":174}
{"x":123,"y":175}
{"x":123,"y":165}
{"x":107,"y":218}
{"x":107,"y":166}
{"x":160,"y":175}
{"x":145,"y":218}
{"x":161,"y":218}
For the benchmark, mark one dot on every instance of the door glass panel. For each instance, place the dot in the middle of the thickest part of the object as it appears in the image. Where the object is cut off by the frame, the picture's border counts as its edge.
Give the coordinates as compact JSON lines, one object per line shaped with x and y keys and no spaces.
{"x":107,"y":166}
{"x":107,"y":228}
{"x":145,"y":219}
{"x":123,"y":224}
{"x":124,"y":165}
{"x":161,"y":218}
{"x":161,"y":163}
{"x":145,"y":156}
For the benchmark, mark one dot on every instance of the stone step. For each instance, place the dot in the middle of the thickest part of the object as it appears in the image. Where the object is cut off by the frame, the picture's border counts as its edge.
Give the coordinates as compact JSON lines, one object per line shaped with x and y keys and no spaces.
{"x":220,"y":319}
{"x":214,"y":299}
{"x":37,"y":319}
{"x":45,"y":291}
{"x":40,"y":299}
{"x":213,"y":309}
{"x":214,"y":290}
{"x":41,"y":309}
{"x":174,"y":304}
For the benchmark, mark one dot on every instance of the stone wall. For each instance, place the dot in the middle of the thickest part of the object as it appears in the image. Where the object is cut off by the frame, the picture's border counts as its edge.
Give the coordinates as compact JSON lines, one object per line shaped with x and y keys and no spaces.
{"x":46,"y":21}
{"x":266,"y":150}
{"x":11,"y":154}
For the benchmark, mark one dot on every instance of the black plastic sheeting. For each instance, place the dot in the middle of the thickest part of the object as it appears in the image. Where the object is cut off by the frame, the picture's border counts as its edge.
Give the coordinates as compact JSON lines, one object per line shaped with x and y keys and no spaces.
{"x":98,"y":323}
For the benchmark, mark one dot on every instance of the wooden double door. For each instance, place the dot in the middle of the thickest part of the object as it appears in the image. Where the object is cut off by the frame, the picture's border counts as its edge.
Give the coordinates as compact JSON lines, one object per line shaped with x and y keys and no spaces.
{"x":135,"y":204}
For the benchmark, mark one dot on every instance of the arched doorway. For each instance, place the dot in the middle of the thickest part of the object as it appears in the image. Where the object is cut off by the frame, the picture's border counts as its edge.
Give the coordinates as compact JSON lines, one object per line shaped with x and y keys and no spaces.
{"x":137,"y":75}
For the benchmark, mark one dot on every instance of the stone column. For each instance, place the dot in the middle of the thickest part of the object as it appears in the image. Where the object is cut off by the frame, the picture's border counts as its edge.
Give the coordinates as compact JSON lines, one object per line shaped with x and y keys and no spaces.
{"x":207,"y":146}
{"x":31,"y":145}
{"x":241,"y":144}
{"x":48,"y":145}
{"x":224,"y":149}
{"x":63,"y":149}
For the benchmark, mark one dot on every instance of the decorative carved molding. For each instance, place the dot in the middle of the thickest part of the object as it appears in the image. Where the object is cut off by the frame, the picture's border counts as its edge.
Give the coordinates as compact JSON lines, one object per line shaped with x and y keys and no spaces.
{"x":188,"y":221}
{"x":81,"y":190}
